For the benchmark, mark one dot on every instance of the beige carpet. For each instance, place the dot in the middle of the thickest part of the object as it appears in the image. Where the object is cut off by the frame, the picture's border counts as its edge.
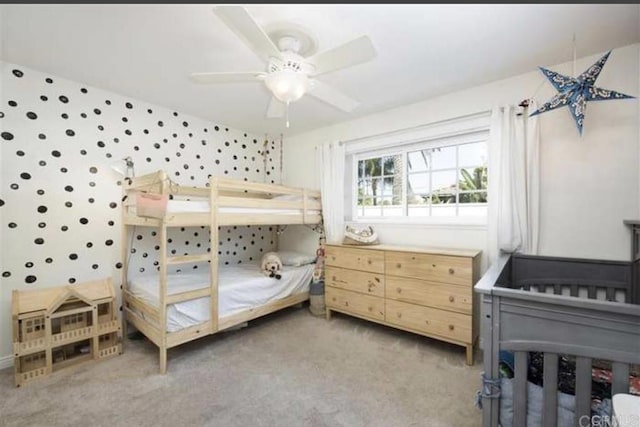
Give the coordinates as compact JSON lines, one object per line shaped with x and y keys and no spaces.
{"x":286,"y":369}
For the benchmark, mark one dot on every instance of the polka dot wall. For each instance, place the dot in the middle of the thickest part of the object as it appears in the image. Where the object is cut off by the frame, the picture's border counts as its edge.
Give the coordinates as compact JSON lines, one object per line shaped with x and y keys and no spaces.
{"x":60,"y":199}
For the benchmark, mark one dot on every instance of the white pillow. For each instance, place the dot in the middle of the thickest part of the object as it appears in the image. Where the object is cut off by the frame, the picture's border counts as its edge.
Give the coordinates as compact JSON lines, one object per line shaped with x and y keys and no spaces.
{"x":295,"y":259}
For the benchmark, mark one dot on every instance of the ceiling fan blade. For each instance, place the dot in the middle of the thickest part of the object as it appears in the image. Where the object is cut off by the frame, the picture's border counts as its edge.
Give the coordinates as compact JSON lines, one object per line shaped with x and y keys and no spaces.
{"x":244,"y":26}
{"x":229,"y":77}
{"x":332,"y":96}
{"x":351,"y":53}
{"x":276,"y":108}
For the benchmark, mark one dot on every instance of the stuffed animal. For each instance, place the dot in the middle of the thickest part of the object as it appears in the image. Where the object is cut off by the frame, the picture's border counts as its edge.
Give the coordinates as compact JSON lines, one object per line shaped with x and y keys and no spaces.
{"x":271,"y":265}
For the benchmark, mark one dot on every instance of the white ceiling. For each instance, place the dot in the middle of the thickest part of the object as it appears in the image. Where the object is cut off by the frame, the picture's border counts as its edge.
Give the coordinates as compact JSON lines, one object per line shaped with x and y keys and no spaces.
{"x":148,"y":51}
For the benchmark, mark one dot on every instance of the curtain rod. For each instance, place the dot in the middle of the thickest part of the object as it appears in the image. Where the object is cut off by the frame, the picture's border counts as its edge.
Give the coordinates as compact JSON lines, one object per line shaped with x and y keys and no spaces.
{"x":426,"y":125}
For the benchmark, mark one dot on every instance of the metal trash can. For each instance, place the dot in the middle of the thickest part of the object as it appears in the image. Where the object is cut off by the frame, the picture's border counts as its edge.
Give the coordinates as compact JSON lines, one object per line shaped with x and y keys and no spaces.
{"x":316,"y":298}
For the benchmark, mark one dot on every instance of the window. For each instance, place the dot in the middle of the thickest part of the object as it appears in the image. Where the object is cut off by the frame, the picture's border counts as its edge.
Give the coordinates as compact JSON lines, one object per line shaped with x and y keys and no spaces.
{"x":74,"y":318}
{"x":446,"y":177}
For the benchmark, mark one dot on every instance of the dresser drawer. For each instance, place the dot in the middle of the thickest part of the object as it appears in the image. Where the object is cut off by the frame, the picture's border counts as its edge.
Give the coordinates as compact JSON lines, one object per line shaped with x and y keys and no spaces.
{"x":355,"y":258}
{"x":455,"y":326}
{"x":353,"y":302}
{"x":354,"y":280}
{"x":433,"y":294}
{"x":437,"y":268}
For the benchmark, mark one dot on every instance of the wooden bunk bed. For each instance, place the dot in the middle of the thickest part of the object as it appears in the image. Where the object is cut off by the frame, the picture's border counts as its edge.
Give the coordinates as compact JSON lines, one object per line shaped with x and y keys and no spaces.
{"x":229,"y":202}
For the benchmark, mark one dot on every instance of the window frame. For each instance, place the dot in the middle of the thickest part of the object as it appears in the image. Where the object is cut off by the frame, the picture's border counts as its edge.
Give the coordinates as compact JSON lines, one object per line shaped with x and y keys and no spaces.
{"x":402,"y":149}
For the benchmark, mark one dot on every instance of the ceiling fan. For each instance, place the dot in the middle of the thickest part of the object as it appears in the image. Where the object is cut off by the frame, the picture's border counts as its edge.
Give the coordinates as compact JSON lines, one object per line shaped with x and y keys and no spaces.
{"x":289,"y":75}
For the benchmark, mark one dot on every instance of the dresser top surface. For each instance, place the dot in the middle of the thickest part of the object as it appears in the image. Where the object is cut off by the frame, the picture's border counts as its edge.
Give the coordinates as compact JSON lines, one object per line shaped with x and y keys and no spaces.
{"x":471,"y":253}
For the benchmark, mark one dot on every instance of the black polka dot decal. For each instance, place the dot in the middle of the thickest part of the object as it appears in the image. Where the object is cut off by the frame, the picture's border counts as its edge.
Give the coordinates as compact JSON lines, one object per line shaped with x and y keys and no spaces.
{"x":63,"y":200}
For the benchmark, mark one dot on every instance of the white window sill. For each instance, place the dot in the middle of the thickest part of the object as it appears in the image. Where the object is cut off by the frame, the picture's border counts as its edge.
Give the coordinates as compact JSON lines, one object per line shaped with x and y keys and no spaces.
{"x":448,"y":223}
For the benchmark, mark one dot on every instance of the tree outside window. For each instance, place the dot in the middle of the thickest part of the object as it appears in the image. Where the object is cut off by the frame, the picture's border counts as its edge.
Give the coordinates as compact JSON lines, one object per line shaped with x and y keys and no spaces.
{"x":434,"y":181}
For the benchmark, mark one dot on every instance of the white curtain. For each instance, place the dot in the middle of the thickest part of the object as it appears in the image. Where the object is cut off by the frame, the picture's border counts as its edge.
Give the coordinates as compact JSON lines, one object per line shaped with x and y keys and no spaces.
{"x":514,"y":181}
{"x":330,"y":167}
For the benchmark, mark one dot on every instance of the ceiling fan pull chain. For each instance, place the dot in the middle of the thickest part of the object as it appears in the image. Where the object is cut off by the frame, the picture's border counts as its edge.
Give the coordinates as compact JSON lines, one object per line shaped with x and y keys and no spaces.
{"x":287,"y":114}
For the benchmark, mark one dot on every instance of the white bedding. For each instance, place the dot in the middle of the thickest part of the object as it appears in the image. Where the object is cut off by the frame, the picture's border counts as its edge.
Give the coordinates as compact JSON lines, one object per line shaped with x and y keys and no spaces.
{"x":202,"y":206}
{"x":240,"y":287}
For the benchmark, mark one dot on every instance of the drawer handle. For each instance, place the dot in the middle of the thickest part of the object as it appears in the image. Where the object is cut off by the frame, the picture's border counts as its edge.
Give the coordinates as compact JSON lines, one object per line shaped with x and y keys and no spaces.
{"x":413,"y":258}
{"x":399,"y":290}
{"x":427,"y":322}
{"x":398,"y":265}
{"x":333,"y":278}
{"x":451,"y":271}
{"x":377,"y":279}
{"x":370,"y":308}
{"x":399,"y":315}
{"x":368,"y":261}
{"x":451,"y":299}
{"x":334,"y":299}
{"x":371,"y":286}
{"x":451,"y":327}
{"x":333,"y":258}
{"x":346,"y":303}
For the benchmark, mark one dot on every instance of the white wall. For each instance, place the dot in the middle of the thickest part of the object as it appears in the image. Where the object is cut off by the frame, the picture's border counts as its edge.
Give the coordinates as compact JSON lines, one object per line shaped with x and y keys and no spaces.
{"x":589,"y":184}
{"x":56,"y":183}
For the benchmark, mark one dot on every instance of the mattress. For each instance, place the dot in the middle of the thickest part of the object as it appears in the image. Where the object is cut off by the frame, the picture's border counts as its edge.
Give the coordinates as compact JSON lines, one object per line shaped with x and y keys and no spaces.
{"x":202,"y":206}
{"x":240,"y":287}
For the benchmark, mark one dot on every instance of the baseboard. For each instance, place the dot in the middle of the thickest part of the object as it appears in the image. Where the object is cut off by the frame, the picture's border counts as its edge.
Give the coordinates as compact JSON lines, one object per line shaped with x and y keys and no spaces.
{"x":6,"y":362}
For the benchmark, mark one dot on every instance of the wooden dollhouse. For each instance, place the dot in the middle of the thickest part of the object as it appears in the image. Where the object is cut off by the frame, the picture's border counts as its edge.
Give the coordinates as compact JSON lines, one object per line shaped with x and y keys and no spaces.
{"x":61,"y":326}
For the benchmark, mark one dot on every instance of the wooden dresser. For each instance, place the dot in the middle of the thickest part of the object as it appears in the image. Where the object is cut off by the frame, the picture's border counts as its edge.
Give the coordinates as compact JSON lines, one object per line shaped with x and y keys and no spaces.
{"x":427,"y":291}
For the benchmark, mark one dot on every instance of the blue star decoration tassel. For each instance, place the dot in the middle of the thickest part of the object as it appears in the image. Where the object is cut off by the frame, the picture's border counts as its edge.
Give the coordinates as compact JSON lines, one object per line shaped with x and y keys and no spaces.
{"x":575,"y":92}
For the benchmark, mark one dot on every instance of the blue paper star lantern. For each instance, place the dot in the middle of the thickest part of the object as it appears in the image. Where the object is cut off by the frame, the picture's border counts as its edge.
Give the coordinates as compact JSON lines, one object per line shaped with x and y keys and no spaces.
{"x":575,"y":92}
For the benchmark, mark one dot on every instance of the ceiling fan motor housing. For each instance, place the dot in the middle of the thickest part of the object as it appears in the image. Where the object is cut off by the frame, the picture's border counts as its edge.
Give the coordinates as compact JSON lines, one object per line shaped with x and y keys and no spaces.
{"x":289,"y":61}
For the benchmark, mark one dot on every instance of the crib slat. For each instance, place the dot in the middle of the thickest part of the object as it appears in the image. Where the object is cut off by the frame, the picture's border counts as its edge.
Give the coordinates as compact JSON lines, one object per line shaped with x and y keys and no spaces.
{"x":592,"y":292}
{"x":583,"y":388}
{"x":611,"y":294}
{"x":542,"y":288}
{"x":620,"y":378}
{"x":550,"y":390}
{"x":520,"y":389}
{"x":574,"y":290}
{"x":557,"y":289}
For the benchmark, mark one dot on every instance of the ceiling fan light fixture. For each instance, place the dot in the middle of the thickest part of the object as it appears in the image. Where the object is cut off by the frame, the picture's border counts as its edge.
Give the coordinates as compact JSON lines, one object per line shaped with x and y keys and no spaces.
{"x":287,"y":85}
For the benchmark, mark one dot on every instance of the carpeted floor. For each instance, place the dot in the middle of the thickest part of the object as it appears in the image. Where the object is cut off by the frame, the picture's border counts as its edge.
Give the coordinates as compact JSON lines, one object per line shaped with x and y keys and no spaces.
{"x":285,"y":369}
